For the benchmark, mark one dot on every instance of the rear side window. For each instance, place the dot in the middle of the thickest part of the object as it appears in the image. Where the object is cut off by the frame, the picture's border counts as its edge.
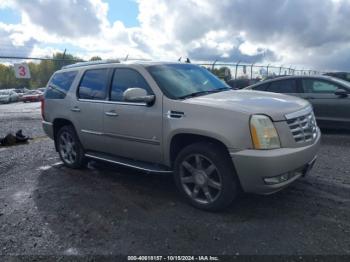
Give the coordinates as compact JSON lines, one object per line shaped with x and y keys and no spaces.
{"x":94,"y":84}
{"x":60,"y":85}
{"x":261,"y":87}
{"x":283,"y":86}
{"x":127,"y":78}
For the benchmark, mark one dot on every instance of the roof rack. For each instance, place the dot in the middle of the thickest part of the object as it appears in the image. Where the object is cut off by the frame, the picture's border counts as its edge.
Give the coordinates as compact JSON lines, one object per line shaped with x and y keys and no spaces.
{"x":98,"y":62}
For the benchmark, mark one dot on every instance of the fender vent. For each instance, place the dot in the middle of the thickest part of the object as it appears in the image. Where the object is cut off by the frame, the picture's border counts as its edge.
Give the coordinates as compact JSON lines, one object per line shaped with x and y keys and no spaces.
{"x":175,"y":114}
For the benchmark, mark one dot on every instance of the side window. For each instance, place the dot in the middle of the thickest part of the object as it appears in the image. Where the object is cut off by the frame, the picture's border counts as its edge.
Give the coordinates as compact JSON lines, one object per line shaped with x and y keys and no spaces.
{"x":60,"y":85}
{"x":283,"y":86}
{"x":126,"y":78}
{"x":94,"y":84}
{"x":261,"y":87}
{"x":318,"y":86}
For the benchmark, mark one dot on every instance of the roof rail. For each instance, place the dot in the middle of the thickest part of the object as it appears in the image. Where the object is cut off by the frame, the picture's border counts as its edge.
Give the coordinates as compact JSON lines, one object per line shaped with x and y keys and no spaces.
{"x":98,"y":62}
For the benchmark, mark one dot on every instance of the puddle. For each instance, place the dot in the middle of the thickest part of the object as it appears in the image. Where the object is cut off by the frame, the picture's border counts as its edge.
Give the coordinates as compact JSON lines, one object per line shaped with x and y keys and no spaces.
{"x":21,"y":196}
{"x":43,"y":168}
{"x":71,"y":251}
{"x":47,"y":167}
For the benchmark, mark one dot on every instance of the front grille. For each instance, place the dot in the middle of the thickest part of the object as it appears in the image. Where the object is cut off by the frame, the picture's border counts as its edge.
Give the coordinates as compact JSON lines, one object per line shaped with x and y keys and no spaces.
{"x":303,"y":128}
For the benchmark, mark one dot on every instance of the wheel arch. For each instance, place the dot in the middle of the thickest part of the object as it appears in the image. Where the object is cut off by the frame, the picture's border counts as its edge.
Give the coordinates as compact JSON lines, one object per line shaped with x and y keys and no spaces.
{"x":58,"y":123}
{"x":180,"y":140}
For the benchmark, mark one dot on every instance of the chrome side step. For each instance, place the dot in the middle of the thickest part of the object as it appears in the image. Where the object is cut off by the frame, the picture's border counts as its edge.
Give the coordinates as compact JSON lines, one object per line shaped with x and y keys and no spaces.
{"x":140,"y":165}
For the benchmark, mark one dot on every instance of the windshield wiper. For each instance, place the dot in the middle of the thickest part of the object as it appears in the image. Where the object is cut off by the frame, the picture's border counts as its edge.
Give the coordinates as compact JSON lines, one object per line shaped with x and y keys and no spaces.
{"x":199,"y":93}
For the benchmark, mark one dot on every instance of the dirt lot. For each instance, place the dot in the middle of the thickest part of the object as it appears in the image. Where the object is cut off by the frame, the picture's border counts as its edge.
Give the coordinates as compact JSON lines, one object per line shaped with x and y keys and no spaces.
{"x":46,"y":208}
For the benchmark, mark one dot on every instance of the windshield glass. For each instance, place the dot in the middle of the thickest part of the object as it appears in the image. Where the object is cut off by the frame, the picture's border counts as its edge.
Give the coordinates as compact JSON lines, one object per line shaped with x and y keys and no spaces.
{"x":181,"y":80}
{"x":343,"y":82}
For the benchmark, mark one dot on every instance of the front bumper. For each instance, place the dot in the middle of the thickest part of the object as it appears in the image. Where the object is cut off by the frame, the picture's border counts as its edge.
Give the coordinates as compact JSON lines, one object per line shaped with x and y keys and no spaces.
{"x":252,"y":166}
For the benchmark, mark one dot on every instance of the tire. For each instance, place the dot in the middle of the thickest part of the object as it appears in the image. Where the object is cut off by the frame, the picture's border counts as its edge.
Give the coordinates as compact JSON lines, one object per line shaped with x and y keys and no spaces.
{"x":69,"y":148}
{"x":206,"y":167}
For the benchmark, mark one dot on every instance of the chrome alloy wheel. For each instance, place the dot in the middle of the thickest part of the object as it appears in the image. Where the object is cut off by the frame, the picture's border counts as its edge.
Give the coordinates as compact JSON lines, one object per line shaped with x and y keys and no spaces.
{"x":200,"y":179}
{"x":67,"y":148}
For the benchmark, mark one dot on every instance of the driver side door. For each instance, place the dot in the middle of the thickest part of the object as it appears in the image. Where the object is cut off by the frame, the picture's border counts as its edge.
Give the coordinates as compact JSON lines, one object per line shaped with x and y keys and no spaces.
{"x":330,"y":109}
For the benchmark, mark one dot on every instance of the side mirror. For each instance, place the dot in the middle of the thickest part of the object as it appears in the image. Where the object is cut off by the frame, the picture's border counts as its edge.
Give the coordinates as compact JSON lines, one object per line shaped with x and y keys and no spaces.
{"x":341,"y":92}
{"x":136,"y":94}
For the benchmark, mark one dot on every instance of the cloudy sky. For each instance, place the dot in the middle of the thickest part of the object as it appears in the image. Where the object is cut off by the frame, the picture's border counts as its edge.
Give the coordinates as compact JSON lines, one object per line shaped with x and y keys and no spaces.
{"x":313,"y":34}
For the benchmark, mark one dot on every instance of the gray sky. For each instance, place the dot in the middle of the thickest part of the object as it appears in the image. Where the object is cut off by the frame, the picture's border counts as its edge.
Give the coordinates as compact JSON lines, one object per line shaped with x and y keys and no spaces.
{"x":308,"y":33}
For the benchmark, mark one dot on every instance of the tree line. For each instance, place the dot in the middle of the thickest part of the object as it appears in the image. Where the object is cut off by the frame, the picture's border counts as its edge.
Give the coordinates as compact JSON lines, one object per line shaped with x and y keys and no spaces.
{"x":40,"y":71}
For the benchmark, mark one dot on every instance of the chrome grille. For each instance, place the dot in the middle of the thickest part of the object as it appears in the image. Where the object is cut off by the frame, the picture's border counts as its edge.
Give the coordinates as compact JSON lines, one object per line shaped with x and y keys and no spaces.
{"x":303,"y":127}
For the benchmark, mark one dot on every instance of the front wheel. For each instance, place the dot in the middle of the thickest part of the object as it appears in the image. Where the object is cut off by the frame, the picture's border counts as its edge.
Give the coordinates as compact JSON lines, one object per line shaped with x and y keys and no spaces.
{"x":69,"y":148}
{"x":205,"y":176}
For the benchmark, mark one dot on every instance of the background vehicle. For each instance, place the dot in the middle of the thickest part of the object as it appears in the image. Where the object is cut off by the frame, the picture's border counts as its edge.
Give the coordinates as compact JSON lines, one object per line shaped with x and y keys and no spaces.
{"x":181,"y":119}
{"x":32,"y":96}
{"x":241,"y":83}
{"x":342,"y":75}
{"x":8,"y":96}
{"x":330,"y":97}
{"x":20,"y":92}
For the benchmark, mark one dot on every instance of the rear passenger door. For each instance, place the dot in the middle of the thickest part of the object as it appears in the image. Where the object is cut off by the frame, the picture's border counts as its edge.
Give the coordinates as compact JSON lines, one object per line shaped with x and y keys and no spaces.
{"x":132,"y":130}
{"x":87,"y":108}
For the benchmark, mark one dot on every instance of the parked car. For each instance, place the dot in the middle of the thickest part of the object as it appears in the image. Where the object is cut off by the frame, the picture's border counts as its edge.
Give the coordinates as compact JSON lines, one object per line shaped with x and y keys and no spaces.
{"x":8,"y":96}
{"x":20,"y":92}
{"x":32,"y":96}
{"x":181,"y":119}
{"x":330,"y":97}
{"x":342,"y":75}
{"x":241,"y":83}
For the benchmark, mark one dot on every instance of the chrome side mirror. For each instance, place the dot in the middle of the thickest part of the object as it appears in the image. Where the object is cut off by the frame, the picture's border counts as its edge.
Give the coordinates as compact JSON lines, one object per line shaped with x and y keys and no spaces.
{"x":136,"y":94}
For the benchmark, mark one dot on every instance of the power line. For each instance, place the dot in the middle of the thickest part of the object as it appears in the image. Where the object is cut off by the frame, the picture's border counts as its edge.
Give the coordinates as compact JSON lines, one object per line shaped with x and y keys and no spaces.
{"x":38,"y":58}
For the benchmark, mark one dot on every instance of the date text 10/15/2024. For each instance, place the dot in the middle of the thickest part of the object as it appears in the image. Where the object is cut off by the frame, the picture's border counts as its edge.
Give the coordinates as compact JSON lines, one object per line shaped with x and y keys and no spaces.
{"x":173,"y":258}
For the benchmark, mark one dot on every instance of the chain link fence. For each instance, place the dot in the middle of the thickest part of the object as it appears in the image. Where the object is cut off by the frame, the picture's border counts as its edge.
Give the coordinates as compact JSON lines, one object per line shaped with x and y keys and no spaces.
{"x":42,"y":68}
{"x":253,"y":71}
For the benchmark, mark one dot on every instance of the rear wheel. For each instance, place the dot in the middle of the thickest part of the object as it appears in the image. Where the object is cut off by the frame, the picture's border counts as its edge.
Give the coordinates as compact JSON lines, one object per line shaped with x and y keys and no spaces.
{"x":205,"y":176}
{"x":69,"y":148}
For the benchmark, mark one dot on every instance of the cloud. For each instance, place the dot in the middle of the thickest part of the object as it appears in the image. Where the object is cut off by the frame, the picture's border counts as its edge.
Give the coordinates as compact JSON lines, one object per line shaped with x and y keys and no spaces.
{"x":69,"y":18}
{"x":305,"y":32}
{"x":12,"y":43}
{"x":308,"y":33}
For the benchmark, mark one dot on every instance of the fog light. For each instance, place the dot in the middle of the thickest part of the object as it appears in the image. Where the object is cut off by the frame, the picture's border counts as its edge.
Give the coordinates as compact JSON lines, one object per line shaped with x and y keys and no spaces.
{"x":278,"y":179}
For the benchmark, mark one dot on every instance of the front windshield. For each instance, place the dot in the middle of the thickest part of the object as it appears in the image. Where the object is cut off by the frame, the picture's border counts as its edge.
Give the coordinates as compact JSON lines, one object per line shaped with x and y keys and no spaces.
{"x":342,"y":82}
{"x":181,"y":80}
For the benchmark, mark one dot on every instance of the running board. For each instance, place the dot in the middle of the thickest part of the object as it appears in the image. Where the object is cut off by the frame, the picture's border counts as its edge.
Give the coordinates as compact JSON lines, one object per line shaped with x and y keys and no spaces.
{"x":140,"y":165}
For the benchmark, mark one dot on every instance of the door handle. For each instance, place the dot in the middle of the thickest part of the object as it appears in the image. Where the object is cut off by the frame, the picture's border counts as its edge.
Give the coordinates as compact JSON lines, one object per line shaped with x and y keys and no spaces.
{"x":309,"y":97}
{"x":111,"y":113}
{"x":75,"y":109}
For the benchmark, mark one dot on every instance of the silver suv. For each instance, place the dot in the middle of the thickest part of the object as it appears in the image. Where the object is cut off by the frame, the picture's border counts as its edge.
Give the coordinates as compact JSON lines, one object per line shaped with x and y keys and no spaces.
{"x":180,"y":119}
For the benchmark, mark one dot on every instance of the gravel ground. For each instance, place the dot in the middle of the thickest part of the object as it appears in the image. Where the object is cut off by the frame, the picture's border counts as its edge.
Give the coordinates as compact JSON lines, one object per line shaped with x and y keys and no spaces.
{"x":47,"y":209}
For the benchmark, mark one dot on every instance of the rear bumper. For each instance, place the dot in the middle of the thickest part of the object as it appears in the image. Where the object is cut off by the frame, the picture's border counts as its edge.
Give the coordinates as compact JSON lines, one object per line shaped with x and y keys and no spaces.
{"x":48,"y":129}
{"x":253,"y":166}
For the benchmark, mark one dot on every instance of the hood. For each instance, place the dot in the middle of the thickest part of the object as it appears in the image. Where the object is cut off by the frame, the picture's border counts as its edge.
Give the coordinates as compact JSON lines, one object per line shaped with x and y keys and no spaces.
{"x":253,"y":102}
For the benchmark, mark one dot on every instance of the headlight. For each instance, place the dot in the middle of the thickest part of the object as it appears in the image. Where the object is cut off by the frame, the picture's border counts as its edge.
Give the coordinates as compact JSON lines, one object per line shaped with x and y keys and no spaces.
{"x":264,"y":134}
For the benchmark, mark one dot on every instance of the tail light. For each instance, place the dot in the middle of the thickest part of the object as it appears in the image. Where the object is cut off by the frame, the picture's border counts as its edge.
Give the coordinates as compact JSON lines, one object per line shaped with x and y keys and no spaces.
{"x":43,"y":108}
